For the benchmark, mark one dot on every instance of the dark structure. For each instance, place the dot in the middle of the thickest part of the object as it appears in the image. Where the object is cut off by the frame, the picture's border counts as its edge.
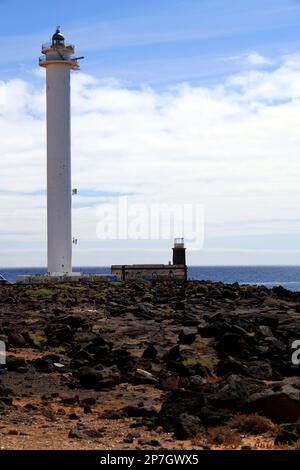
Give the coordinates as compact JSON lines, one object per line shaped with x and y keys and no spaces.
{"x":179,"y":252}
{"x":177,"y":270}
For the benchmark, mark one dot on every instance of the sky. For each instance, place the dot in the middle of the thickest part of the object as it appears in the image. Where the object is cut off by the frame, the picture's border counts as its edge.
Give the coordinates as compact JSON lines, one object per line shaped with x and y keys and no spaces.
{"x":192,"y":102}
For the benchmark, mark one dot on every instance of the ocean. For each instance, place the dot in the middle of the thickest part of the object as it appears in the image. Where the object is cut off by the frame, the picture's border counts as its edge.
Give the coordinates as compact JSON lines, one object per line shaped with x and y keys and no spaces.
{"x":286,"y":276}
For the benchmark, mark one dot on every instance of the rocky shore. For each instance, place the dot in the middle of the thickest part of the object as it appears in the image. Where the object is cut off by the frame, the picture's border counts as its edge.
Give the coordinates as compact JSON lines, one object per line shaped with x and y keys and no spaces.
{"x":149,"y":365}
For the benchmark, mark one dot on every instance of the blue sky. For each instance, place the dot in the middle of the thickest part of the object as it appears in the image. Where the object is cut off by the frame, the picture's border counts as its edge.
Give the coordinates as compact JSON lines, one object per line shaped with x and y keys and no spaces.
{"x":157,"y":42}
{"x":193,"y":101}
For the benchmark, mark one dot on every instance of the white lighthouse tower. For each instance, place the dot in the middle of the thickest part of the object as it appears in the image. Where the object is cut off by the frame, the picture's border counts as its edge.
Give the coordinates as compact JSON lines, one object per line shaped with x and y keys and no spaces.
{"x":59,"y":60}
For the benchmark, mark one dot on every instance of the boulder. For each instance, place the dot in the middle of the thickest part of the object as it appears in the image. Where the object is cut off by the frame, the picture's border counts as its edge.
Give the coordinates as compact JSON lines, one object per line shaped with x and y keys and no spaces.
{"x":144,"y":377}
{"x":283,"y":293}
{"x":16,"y":340}
{"x":89,"y":377}
{"x":16,"y":364}
{"x":259,"y":370}
{"x":43,"y":365}
{"x":214,"y":329}
{"x":212,"y":416}
{"x":286,"y":437}
{"x":232,"y":344}
{"x":83,"y":432}
{"x":58,"y":334}
{"x":187,"y":426}
{"x":282,"y":405}
{"x":150,"y":352}
{"x":140,"y":411}
{"x":230,"y":365}
{"x":169,"y":382}
{"x":265,"y":331}
{"x":173,"y":354}
{"x":229,"y":393}
{"x":177,"y":403}
{"x":187,"y":335}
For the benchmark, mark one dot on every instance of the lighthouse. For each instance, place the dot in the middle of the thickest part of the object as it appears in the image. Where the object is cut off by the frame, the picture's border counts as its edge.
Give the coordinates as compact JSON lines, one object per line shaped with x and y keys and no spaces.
{"x":58,"y":59}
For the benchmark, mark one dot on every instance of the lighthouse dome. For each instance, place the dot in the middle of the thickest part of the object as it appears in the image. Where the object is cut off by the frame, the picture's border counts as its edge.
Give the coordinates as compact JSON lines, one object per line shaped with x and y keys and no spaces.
{"x":57,"y":37}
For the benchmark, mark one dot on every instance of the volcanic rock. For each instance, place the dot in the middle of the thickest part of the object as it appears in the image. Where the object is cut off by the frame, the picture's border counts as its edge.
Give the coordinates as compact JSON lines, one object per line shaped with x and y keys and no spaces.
{"x":187,"y":426}
{"x":82,"y":432}
{"x":16,"y":364}
{"x":173,"y":354}
{"x":286,"y":437}
{"x":43,"y":365}
{"x":145,"y":377}
{"x":187,"y":335}
{"x":140,"y":411}
{"x":16,"y":340}
{"x":177,"y":403}
{"x":150,"y":352}
{"x":281,"y":405}
{"x":89,"y":377}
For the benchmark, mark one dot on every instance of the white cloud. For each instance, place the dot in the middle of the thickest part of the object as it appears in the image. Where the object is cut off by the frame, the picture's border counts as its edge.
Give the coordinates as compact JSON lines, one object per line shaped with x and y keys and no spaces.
{"x":255,"y":59}
{"x":233,"y":147}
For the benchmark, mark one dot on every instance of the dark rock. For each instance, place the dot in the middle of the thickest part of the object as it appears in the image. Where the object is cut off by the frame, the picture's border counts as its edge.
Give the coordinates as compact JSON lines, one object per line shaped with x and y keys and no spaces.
{"x":186,"y":426}
{"x":78,"y":363}
{"x":197,"y":381}
{"x":231,"y":344}
{"x":282,"y":405}
{"x":214,"y":329}
{"x":230,"y":365}
{"x":30,"y":407}
{"x":113,"y":414}
{"x":93,"y":378}
{"x":229,"y":393}
{"x":124,"y":360}
{"x":149,"y":442}
{"x":58,"y":334}
{"x":75,"y":433}
{"x":283,"y":293}
{"x":88,"y":401}
{"x":177,"y":403}
{"x":259,"y":370}
{"x":265,"y":331}
{"x":211,"y":416}
{"x":70,"y":400}
{"x":173,"y":354}
{"x":187,"y":335}
{"x":140,"y":411}
{"x":271,"y":321}
{"x":6,"y":401}
{"x":82,"y":432}
{"x":286,"y":437}
{"x":144,"y":377}
{"x":16,"y":364}
{"x":74,"y":321}
{"x":89,"y":377}
{"x":169,"y":382}
{"x":150,"y":352}
{"x":43,"y":365}
{"x":143,"y":312}
{"x":16,"y":340}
